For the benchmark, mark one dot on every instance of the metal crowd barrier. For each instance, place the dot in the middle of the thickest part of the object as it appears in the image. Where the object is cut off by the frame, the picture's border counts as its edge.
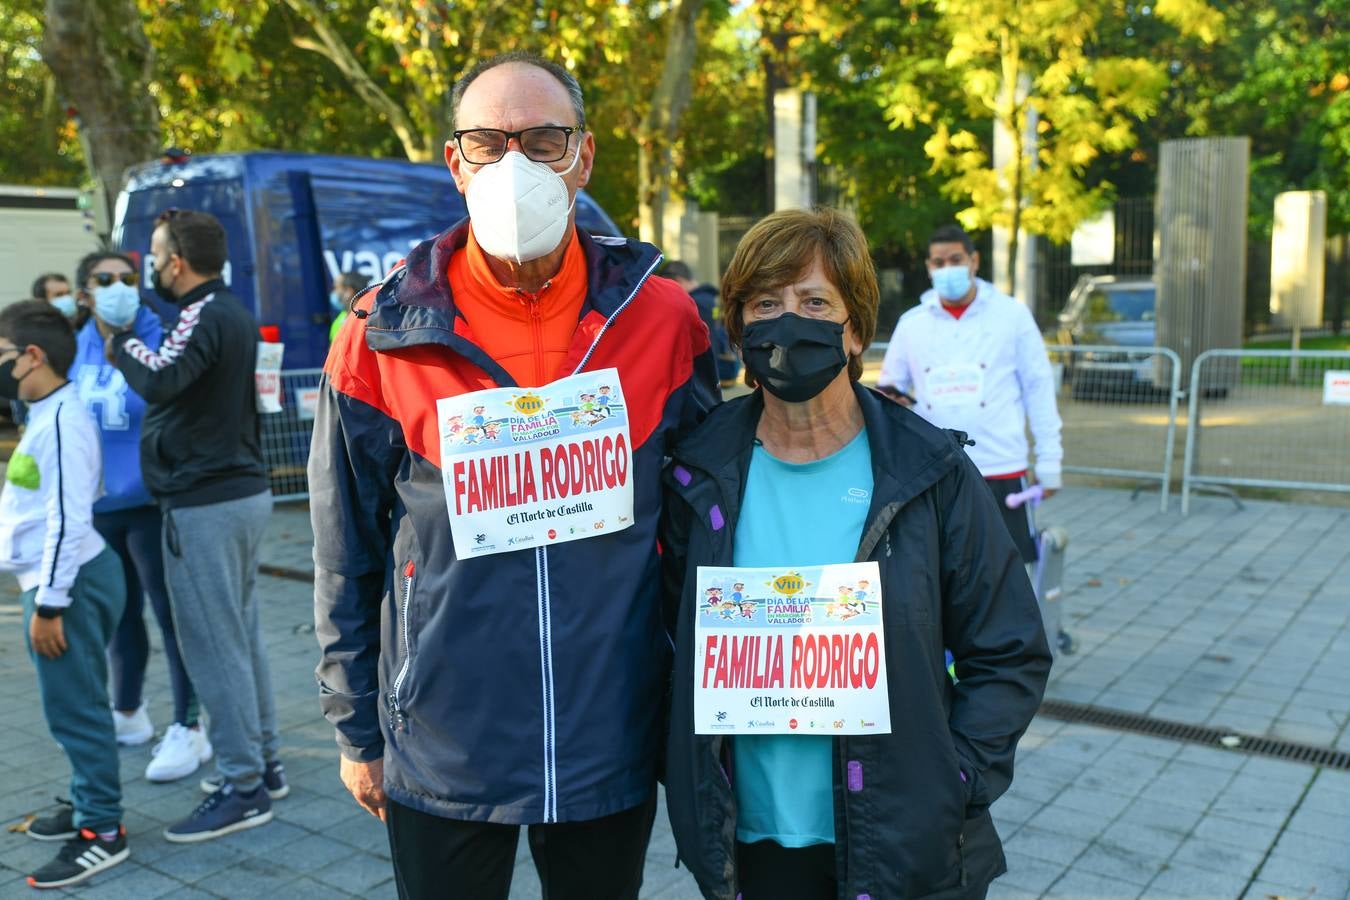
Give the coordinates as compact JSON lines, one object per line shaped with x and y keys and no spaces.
{"x":286,"y":435}
{"x":1119,"y":408}
{"x":1268,"y":419}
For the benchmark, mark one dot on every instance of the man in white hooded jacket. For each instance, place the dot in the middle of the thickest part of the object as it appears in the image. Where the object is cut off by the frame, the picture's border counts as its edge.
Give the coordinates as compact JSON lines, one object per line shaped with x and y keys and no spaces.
{"x":973,"y":360}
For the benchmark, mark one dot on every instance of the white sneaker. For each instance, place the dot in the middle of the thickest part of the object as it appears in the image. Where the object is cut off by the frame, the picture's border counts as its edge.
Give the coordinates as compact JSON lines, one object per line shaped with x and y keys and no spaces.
{"x":133,"y":729}
{"x":179,"y":754}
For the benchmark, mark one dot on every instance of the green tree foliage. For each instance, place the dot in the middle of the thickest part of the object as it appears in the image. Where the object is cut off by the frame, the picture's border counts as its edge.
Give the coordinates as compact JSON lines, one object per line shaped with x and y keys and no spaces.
{"x":39,"y":141}
{"x":1035,"y":66}
{"x":1291,"y":93}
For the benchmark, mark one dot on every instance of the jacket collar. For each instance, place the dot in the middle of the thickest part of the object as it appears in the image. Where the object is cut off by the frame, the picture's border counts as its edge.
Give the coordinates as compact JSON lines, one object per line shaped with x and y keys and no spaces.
{"x":415,"y":305}
{"x":418,"y":294}
{"x":908,"y":454}
{"x":200,"y":291}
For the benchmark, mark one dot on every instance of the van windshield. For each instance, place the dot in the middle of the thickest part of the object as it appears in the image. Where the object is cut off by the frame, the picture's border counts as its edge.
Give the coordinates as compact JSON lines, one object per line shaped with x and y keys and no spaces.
{"x":1121,"y":305}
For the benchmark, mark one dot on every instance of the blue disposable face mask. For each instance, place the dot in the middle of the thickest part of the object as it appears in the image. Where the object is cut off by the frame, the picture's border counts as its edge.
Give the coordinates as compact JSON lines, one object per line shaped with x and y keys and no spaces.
{"x":117,"y":304}
{"x":336,"y":302}
{"x":951,"y":282}
{"x":65,"y":304}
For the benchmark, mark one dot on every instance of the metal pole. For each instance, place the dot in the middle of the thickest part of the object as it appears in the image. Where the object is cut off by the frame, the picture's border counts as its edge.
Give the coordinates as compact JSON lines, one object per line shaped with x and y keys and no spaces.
{"x":1174,"y":392}
{"x":1192,"y":431}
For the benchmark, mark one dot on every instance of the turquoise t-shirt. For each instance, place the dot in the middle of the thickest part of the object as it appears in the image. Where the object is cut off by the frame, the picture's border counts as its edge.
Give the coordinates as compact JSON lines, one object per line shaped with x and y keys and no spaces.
{"x":796,"y":514}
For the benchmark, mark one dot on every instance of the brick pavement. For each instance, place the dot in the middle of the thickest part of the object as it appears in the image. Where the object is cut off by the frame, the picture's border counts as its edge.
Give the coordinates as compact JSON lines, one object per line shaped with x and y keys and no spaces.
{"x":1235,"y":619}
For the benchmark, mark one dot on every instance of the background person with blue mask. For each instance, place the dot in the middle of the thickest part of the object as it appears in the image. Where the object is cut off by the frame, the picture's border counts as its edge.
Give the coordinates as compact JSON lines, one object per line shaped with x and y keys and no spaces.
{"x":128,"y":518}
{"x":974,"y":360}
{"x":345,"y":287}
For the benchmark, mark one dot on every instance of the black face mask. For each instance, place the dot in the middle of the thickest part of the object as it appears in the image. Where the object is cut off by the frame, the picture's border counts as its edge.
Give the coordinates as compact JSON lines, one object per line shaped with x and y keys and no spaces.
{"x":9,"y":385}
{"x":795,"y":358}
{"x":161,"y":288}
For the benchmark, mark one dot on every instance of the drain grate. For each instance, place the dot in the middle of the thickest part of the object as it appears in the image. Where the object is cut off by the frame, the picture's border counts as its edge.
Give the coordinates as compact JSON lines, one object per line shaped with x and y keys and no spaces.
{"x":1203,"y":735}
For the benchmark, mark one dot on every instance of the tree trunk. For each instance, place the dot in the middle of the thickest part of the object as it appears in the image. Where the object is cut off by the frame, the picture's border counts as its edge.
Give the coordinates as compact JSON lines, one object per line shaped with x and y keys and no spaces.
{"x":102,"y":62}
{"x":662,"y":122}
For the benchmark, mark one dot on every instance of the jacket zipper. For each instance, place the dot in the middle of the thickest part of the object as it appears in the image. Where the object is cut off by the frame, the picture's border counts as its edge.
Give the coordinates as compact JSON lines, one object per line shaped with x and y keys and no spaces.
{"x":531,"y":303}
{"x":541,"y":576}
{"x":397,"y":719}
{"x":546,"y":677}
{"x":622,"y":306}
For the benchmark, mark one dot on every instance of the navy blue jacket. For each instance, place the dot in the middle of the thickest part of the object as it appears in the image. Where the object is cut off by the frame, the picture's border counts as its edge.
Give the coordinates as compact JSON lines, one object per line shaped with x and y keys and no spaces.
{"x":520,"y":687}
{"x":911,"y":807}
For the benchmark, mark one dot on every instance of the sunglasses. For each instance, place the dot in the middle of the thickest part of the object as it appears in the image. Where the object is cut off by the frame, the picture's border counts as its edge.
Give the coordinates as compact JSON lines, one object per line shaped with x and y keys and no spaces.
{"x":105,"y":279}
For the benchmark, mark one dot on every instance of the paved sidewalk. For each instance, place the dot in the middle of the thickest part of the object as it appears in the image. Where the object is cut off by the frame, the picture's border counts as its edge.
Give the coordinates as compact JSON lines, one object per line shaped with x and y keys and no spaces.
{"x":1225,"y":618}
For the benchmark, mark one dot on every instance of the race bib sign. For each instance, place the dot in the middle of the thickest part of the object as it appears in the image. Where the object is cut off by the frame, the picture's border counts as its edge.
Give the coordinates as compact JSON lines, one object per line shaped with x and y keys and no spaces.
{"x":267,"y":376}
{"x":956,"y":385}
{"x":1336,"y":388}
{"x":790,"y":651}
{"x":525,"y":467}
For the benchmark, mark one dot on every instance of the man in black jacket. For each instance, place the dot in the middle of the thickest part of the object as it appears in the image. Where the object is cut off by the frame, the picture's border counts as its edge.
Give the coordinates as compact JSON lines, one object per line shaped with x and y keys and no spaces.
{"x":201,"y":459}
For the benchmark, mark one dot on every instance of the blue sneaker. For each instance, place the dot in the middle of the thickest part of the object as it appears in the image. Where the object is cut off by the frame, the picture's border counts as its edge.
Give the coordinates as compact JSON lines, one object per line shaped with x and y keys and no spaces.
{"x":274,"y":779}
{"x":221,"y":813}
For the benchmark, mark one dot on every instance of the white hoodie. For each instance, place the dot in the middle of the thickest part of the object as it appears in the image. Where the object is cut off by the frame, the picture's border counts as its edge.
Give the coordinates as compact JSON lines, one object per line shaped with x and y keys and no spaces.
{"x":47,"y":505}
{"x":986,"y":374}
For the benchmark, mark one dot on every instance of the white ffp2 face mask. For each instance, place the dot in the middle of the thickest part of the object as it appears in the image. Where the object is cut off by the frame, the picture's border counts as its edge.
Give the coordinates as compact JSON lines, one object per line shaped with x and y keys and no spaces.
{"x":519,"y":208}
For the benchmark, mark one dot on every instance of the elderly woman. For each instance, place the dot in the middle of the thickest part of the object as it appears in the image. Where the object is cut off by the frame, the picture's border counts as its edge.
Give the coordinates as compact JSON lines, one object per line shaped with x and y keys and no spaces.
{"x":813,"y":469}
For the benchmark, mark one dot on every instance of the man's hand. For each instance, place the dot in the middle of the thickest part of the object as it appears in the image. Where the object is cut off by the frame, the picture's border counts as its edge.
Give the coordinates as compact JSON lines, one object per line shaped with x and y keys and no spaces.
{"x":1047,"y":493}
{"x":48,"y":636}
{"x":366,"y":783}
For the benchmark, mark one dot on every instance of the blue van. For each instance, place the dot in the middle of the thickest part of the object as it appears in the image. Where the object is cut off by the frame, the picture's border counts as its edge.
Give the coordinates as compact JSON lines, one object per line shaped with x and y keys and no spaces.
{"x":295,"y":221}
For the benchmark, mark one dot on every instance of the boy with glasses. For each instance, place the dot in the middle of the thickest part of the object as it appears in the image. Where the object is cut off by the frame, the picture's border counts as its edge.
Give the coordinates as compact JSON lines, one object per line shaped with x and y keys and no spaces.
{"x":73,"y":589}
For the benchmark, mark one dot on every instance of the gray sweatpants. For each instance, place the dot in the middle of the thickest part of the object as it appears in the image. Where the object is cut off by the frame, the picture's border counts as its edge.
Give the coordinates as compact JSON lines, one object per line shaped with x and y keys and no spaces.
{"x":211,"y":568}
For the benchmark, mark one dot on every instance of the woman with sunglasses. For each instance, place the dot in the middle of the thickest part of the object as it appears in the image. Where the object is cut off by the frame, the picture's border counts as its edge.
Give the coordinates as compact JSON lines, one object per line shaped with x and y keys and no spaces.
{"x":128,"y":518}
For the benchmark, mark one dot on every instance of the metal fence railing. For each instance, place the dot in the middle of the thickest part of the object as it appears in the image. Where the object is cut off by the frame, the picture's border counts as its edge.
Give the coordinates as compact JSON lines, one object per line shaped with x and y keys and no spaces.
{"x":1268,"y":419}
{"x":286,"y":435}
{"x":1119,"y":408}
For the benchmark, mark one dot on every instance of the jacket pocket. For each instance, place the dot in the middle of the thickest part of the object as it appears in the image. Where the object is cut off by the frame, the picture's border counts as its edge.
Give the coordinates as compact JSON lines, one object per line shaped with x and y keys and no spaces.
{"x":398,"y":719}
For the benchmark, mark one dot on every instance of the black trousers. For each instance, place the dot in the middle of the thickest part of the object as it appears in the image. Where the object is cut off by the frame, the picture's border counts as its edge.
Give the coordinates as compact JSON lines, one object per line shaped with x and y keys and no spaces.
{"x":769,"y":871}
{"x":446,"y":859}
{"x":1021,"y":522}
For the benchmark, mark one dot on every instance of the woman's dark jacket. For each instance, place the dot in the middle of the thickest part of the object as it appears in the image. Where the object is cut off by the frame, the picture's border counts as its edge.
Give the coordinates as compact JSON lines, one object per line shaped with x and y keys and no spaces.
{"x":911,"y":807}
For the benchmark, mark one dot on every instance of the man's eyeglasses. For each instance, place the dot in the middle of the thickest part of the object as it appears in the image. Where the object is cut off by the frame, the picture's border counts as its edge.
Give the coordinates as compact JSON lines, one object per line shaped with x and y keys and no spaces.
{"x":105,"y":279}
{"x":545,"y":144}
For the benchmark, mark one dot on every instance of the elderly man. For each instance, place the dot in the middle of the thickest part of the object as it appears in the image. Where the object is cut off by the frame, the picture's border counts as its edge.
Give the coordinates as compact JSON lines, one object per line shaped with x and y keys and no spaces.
{"x":506,"y":667}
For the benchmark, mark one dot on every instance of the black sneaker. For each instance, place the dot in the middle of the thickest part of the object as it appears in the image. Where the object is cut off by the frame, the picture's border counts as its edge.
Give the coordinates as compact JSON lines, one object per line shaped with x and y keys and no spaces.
{"x":221,"y":813}
{"x":58,"y":825}
{"x":83,"y":856}
{"x":274,"y":779}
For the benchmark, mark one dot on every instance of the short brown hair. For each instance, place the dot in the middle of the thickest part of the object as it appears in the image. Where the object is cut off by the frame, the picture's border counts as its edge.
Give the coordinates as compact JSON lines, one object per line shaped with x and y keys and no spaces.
{"x":197,"y":238}
{"x":38,"y":323}
{"x":778,"y":250}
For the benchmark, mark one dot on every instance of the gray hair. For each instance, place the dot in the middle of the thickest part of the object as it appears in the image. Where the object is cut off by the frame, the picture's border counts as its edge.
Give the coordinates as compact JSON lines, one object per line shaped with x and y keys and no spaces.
{"x":564,"y":77}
